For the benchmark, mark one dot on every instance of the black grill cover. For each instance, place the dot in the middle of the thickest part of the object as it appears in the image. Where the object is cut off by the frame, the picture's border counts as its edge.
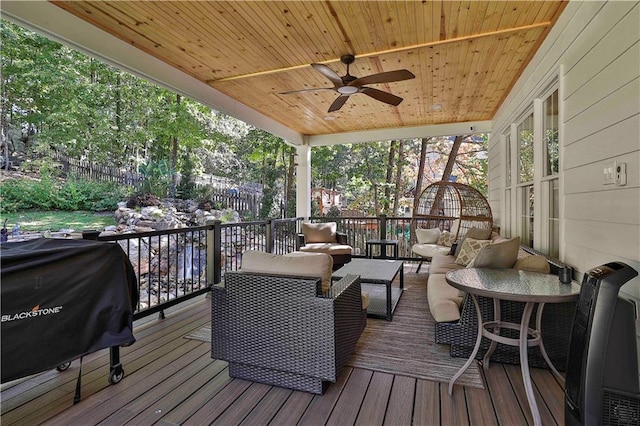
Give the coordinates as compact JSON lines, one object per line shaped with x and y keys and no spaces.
{"x":62,"y":299}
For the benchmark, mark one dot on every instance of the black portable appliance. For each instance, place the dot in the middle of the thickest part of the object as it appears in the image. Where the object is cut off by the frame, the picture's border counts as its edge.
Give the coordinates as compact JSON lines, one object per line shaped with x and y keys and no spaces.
{"x":602,"y":386}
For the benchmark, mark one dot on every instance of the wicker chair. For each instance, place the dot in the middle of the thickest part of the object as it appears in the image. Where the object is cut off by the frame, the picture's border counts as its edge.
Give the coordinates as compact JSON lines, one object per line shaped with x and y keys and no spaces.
{"x":283,"y":331}
{"x":452,"y":207}
{"x":324,"y":238}
{"x":557,"y":321}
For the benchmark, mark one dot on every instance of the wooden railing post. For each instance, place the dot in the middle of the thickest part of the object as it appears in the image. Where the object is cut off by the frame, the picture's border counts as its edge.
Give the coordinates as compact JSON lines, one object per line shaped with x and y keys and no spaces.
{"x":270,"y":231}
{"x":383,"y":226}
{"x":214,"y":252}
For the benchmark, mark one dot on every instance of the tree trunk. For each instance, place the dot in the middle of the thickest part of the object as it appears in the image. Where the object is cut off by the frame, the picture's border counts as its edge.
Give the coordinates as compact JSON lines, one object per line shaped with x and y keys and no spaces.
{"x":418,"y":190}
{"x":118,"y":107}
{"x":288,"y":198}
{"x":396,"y":195}
{"x":451,"y":161}
{"x":4,"y":120}
{"x":389,"y":179}
{"x":174,"y":156}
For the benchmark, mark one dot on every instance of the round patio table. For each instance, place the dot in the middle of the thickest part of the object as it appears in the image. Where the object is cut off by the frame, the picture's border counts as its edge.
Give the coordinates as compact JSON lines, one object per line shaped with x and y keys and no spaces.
{"x":533,"y":289}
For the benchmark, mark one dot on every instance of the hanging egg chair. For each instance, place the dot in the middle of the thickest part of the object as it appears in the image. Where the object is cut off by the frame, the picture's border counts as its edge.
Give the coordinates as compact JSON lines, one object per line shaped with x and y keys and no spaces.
{"x":453,"y":207}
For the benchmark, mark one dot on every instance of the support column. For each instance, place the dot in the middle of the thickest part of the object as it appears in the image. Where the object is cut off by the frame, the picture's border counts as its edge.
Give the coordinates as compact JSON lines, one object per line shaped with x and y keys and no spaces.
{"x":303,"y":181}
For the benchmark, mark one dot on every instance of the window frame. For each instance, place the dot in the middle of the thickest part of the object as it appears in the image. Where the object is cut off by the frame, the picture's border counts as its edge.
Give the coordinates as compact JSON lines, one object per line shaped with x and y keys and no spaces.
{"x":547,"y":205}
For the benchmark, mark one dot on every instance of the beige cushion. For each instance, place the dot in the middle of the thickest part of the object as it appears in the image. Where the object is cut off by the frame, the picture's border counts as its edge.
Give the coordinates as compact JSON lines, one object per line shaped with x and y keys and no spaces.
{"x":533,"y":263}
{"x":446,"y":239}
{"x":429,"y":250}
{"x":319,"y":232}
{"x":298,"y":264}
{"x":442,"y":264}
{"x":329,"y":248}
{"x":469,"y":250}
{"x":475,"y":233}
{"x":454,"y":226}
{"x":498,"y":255}
{"x":365,"y":300}
{"x":428,"y":236}
{"x":444,"y":301}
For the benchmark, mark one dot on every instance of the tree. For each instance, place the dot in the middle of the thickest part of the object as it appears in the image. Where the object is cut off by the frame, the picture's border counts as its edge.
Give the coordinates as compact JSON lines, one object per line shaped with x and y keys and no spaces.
{"x":398,"y":184}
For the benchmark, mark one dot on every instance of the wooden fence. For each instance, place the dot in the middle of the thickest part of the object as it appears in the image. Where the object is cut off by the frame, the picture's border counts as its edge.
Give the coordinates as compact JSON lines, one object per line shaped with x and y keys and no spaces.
{"x":246,"y":203}
{"x":88,"y":170}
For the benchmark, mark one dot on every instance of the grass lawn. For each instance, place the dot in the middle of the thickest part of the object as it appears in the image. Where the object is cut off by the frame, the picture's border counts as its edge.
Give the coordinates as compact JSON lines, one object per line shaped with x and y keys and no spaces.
{"x":54,"y":221}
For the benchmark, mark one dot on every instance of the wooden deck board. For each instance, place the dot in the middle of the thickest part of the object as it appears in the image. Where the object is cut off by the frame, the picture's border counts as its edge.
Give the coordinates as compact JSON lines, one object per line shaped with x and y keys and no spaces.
{"x":508,"y":410}
{"x":480,"y":407}
{"x":180,"y":394}
{"x":400,"y":407}
{"x":293,"y":409}
{"x":374,"y":404}
{"x":171,"y":380}
{"x":346,"y":410}
{"x":268,"y":407}
{"x":426,"y":409}
{"x":453,"y":409}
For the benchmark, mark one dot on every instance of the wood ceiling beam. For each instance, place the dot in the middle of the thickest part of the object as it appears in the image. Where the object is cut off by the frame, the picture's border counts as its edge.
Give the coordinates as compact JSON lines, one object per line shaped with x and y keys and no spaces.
{"x":394,"y":50}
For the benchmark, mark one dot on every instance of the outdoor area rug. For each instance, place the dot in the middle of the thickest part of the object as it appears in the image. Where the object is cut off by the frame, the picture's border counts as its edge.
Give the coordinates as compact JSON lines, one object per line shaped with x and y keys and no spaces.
{"x":404,"y":346}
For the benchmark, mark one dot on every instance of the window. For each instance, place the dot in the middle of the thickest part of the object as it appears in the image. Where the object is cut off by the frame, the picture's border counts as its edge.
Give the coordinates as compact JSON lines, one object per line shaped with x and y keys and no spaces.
{"x":550,"y":137}
{"x":525,"y":215}
{"x":525,"y":150}
{"x":550,"y":169}
{"x":506,"y":226}
{"x":553,"y":221}
{"x":508,"y":160}
{"x":532,"y":169}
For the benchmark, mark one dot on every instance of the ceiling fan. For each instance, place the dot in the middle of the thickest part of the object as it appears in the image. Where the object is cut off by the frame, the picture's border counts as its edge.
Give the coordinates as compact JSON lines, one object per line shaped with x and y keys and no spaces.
{"x":348,"y":85}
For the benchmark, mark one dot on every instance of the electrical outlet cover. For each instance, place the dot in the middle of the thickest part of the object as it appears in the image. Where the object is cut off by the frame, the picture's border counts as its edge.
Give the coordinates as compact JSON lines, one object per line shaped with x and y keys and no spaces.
{"x":621,"y":174}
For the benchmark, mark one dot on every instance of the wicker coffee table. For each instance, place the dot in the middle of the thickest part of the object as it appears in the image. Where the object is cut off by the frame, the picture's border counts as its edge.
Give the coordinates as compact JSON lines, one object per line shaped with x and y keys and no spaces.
{"x":376,"y":278}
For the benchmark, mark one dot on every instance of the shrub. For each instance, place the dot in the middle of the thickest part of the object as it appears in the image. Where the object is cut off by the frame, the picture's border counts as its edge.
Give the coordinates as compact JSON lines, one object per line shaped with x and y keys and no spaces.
{"x":50,"y":194}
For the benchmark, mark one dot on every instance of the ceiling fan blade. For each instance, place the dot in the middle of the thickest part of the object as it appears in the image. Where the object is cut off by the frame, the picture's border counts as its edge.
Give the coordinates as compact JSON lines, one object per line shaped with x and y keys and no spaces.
{"x":329,"y":73}
{"x":383,"y":77}
{"x":316,"y":89}
{"x":381,"y":96}
{"x":338,"y":103}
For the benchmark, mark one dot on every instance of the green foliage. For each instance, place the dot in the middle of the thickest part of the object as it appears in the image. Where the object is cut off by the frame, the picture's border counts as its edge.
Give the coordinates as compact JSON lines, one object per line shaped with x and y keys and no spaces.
{"x":158,"y":178}
{"x":65,"y":100}
{"x":333,"y":212}
{"x":51,"y":194}
{"x":54,"y":220}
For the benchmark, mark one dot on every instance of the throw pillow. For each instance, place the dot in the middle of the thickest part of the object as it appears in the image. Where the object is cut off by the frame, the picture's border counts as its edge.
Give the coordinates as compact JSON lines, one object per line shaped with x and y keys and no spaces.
{"x":428,"y":236}
{"x":534,"y":264}
{"x":446,"y":239}
{"x":475,"y":233}
{"x":498,"y":255}
{"x":319,"y":232}
{"x":469,"y":250}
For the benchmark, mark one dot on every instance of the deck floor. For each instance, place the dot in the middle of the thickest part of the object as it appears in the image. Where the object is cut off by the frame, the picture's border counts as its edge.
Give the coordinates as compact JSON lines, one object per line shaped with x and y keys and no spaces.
{"x":172,"y":380}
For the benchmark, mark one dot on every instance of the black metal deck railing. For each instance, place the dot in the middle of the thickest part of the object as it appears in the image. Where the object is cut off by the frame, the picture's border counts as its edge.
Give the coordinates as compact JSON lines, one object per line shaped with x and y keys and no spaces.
{"x":175,"y":265}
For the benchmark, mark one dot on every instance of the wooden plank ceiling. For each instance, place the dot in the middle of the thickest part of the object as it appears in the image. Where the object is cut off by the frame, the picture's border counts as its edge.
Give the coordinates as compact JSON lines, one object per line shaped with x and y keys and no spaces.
{"x":466,"y":55}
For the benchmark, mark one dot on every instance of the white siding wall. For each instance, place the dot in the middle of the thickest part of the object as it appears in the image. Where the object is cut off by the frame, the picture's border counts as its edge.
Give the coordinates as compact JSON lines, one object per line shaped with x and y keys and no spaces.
{"x":595,"y":51}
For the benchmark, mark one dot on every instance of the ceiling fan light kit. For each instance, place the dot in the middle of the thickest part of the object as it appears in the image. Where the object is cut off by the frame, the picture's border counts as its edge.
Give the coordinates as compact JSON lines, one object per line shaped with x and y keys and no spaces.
{"x":348,"y":84}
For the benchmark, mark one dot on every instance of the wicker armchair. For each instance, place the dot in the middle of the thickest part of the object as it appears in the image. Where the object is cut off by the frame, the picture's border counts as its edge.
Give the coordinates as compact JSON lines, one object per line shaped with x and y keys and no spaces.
{"x":283,"y":331}
{"x":557,"y":321}
{"x":324,"y":238}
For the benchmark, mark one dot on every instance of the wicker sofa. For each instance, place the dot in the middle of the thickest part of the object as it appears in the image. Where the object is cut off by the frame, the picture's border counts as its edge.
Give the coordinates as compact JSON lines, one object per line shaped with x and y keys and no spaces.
{"x":286,"y":330}
{"x":457,"y":323}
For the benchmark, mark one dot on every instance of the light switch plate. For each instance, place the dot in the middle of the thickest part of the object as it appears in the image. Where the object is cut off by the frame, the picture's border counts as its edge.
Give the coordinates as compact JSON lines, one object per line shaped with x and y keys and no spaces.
{"x":608,"y":177}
